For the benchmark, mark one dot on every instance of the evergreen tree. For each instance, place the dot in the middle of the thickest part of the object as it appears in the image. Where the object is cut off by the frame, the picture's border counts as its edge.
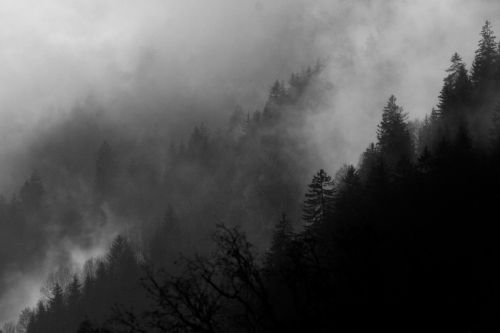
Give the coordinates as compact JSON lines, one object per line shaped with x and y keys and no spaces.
{"x":277,"y":92}
{"x":483,"y":67}
{"x":40,"y":321}
{"x":277,"y":96}
{"x":318,"y":205}
{"x":120,"y":257}
{"x":56,"y":313}
{"x":394,"y":138}
{"x":24,"y":320}
{"x":455,"y":94}
{"x":349,"y":194}
{"x":349,"y":181}
{"x":368,"y":160}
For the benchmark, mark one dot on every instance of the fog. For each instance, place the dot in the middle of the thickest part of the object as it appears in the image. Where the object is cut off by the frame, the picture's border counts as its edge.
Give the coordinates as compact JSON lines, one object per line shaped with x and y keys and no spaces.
{"x":185,"y":62}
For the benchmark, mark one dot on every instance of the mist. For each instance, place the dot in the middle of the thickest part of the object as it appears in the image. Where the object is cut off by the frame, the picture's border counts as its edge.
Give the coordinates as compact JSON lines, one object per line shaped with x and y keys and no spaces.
{"x":88,"y":71}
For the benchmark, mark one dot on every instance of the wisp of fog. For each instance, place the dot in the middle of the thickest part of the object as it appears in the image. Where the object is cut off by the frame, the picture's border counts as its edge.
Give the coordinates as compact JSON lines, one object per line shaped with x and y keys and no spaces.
{"x":163,"y":66}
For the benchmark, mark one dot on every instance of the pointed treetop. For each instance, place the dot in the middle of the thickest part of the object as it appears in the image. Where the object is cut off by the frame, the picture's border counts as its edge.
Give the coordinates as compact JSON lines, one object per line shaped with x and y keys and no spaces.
{"x":485,"y":55}
{"x":318,"y":205}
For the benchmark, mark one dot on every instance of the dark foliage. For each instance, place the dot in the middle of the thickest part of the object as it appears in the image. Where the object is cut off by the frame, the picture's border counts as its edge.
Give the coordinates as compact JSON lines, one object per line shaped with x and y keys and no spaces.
{"x":406,"y":242}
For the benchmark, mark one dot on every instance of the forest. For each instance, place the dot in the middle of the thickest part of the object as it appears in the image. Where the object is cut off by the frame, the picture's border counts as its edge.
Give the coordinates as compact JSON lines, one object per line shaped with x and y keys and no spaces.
{"x":234,"y":231}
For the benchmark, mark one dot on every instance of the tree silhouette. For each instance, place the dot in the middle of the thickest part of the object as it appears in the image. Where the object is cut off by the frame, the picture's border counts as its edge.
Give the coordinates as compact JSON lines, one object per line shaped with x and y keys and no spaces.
{"x":454,"y":97}
{"x":318,"y":205}
{"x":483,"y":66}
{"x":394,"y":139}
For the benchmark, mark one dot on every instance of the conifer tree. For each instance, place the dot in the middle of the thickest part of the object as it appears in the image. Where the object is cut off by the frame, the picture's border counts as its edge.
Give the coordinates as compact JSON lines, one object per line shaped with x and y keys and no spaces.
{"x":368,"y":159}
{"x":56,"y":302}
{"x":277,"y":96}
{"x":454,"y":97}
{"x":318,"y":205}
{"x":120,"y":255}
{"x":394,"y":139}
{"x":277,"y":92}
{"x":24,"y":320}
{"x":483,"y":67}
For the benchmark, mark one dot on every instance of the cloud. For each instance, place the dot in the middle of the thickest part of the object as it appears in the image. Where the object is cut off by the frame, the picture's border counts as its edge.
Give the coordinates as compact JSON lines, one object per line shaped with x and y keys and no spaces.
{"x":168,"y":64}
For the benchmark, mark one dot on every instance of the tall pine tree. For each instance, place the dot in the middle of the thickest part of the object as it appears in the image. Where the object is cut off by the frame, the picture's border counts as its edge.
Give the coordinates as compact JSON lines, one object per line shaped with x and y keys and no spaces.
{"x":483,"y":67}
{"x":318,"y":205}
{"x":394,"y":138}
{"x":455,"y":94}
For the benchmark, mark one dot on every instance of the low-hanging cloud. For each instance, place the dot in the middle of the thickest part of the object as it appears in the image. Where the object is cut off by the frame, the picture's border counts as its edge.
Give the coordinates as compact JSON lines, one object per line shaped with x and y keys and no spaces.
{"x":188,"y":61}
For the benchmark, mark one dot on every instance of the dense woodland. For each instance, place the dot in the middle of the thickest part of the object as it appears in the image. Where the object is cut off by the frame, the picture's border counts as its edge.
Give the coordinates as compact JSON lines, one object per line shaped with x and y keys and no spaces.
{"x":404,"y":241}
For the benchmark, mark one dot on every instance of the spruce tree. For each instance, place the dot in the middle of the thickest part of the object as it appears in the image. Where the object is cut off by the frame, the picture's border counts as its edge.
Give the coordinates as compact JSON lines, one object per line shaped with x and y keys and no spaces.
{"x":56,"y":302}
{"x":318,"y":205}
{"x":394,"y":138}
{"x":277,"y":92}
{"x":368,"y":160}
{"x":483,"y":67}
{"x":454,"y":97}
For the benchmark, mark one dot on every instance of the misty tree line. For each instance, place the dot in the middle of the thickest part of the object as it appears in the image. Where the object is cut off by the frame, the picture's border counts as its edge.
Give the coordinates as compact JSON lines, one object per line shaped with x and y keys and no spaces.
{"x":405,"y":241}
{"x":250,"y":156}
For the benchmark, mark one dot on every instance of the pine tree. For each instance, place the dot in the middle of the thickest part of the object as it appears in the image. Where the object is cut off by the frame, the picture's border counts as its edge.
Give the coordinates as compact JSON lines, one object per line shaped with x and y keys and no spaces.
{"x":455,"y":94}
{"x":318,"y":205}
{"x":122,"y":269}
{"x":483,"y":67}
{"x":394,"y":138}
{"x":24,"y":320}
{"x":277,"y":96}
{"x":348,"y":178}
{"x":120,"y":253}
{"x":368,"y":159}
{"x":277,"y":92}
{"x":40,"y":320}
{"x":56,"y":301}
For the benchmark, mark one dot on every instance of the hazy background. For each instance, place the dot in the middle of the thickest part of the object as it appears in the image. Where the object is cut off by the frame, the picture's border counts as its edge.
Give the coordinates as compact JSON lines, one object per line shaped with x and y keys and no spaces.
{"x":188,"y":61}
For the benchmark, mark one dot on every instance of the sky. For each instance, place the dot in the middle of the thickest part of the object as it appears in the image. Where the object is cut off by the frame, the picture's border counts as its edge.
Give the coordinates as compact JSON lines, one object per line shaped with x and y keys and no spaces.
{"x":181,"y":56}
{"x":194,"y":59}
